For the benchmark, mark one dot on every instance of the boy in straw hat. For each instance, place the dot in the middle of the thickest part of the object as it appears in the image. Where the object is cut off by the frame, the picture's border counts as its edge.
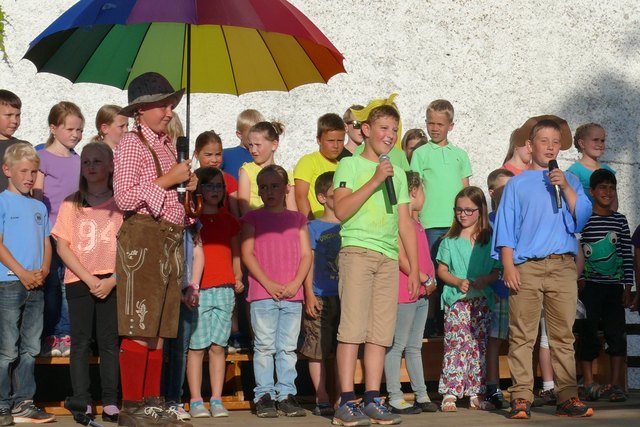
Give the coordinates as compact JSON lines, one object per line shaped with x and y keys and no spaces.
{"x":150,"y":246}
{"x":534,"y":238}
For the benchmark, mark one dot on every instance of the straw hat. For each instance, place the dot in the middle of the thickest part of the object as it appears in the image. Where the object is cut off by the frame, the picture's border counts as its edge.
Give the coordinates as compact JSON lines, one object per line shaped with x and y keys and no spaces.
{"x":521,"y":135}
{"x":148,"y":90}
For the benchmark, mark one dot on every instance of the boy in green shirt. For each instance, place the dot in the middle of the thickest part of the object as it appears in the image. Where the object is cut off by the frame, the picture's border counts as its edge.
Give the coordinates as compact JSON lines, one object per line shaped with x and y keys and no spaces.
{"x":368,"y":264}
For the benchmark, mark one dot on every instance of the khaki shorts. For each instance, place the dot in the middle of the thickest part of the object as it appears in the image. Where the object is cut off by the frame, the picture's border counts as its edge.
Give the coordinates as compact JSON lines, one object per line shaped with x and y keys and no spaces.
{"x":320,"y":333}
{"x":368,"y":290}
{"x":149,"y":268}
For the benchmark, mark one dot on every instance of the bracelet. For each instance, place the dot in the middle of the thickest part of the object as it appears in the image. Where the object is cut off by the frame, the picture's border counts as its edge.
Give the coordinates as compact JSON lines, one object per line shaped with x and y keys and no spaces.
{"x":194,"y":286}
{"x":114,"y":276}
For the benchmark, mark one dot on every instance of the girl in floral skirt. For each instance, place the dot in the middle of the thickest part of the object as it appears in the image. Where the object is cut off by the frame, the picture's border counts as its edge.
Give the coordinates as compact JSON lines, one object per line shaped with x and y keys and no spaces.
{"x":466,"y":267}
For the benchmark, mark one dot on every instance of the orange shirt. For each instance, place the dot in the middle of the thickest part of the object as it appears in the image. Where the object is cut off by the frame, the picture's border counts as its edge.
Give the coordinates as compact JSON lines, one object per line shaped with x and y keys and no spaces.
{"x":216,"y":233}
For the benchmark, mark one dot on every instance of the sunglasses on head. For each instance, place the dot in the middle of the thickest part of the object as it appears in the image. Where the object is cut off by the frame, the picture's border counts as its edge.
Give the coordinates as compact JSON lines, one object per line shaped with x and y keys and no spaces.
{"x":355,"y":123}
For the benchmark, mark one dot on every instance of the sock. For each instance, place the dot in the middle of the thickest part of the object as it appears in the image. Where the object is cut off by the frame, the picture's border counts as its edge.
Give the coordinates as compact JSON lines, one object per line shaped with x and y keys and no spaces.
{"x":133,"y":366}
{"x":347,"y":397}
{"x":110,"y":410}
{"x":547,"y":385}
{"x":492,"y":388}
{"x":213,"y":401}
{"x":154,"y":373}
{"x":369,"y":395}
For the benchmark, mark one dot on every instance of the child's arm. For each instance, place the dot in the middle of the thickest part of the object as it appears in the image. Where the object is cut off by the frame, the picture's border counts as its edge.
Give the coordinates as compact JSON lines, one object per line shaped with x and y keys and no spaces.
{"x":311,"y":306}
{"x":450,"y":279}
{"x":37,"y":191}
{"x":482,"y":281}
{"x":72,"y":262}
{"x":304,"y":265}
{"x":510,"y":275}
{"x":302,"y":198}
{"x":237,"y":265}
{"x":557,"y":177}
{"x":234,"y":209}
{"x":410,"y":243}
{"x":405,"y":267}
{"x":251,"y":262}
{"x":244,"y":191}
{"x":30,"y":279}
{"x":290,"y":201}
{"x":347,"y":202}
{"x":191,"y":297}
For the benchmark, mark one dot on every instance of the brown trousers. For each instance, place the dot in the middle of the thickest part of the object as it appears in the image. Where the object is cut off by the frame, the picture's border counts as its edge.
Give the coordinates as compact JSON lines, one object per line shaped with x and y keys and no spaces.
{"x":549,"y":282}
{"x":149,"y":267}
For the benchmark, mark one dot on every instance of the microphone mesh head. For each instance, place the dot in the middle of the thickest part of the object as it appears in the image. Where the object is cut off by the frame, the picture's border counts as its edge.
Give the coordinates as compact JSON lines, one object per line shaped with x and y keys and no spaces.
{"x":383,"y":157}
{"x":553,"y":164}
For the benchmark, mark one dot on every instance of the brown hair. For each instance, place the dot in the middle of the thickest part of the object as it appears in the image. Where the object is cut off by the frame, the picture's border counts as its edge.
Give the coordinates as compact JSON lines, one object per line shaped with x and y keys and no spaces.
{"x":482,"y":232}
{"x":275,"y":169}
{"x":328,"y":122}
{"x":413,"y":180}
{"x":207,"y":174}
{"x":383,"y":111}
{"x":270,"y":130}
{"x":412,"y":134}
{"x":492,"y":180}
{"x":83,"y":187}
{"x":581,"y":133}
{"x":206,"y":138}
{"x":59,"y":113}
{"x":547,"y":123}
{"x":105,"y":116}
{"x":441,"y":106}
{"x":323,"y":183}
{"x":9,"y":98}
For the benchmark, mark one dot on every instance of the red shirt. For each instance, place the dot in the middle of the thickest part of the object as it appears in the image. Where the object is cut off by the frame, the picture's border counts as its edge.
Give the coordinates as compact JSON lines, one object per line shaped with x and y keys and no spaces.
{"x":216,"y":233}
{"x":231,"y":187}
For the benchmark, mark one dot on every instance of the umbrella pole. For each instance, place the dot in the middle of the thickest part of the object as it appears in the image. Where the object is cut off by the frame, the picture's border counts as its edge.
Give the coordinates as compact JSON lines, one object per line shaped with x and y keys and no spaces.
{"x":188,"y":89}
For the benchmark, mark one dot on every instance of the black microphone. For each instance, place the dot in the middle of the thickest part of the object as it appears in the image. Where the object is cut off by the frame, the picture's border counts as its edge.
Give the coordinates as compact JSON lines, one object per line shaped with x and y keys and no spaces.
{"x":388,"y":183}
{"x":182,"y":149}
{"x":78,"y":410}
{"x":553,"y":164}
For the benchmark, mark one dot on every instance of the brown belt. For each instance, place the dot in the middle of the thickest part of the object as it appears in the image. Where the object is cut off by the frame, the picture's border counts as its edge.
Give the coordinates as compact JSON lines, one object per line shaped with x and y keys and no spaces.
{"x":564,"y":256}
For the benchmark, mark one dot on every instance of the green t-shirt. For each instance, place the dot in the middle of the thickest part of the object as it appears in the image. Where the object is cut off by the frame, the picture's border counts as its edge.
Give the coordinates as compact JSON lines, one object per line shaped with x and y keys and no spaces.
{"x":375,"y":225}
{"x":308,"y":169}
{"x":396,"y":156}
{"x":442,"y":170}
{"x":466,"y":262}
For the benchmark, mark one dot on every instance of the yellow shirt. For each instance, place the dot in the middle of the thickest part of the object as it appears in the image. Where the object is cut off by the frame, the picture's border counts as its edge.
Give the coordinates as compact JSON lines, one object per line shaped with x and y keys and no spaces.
{"x":252,"y":170}
{"x":308,"y":169}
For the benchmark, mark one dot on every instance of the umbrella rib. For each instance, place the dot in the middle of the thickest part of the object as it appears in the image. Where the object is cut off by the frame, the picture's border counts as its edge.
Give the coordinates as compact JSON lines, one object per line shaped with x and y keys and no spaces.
{"x":312,"y":62}
{"x":274,"y":61}
{"x":224,"y":36}
{"x":146,"y":31}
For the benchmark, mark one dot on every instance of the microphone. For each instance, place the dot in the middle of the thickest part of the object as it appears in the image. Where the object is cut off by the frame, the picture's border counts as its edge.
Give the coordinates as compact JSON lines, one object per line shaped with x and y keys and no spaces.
{"x":388,"y":183}
{"x":78,"y":410}
{"x":553,"y":164}
{"x":182,"y":149}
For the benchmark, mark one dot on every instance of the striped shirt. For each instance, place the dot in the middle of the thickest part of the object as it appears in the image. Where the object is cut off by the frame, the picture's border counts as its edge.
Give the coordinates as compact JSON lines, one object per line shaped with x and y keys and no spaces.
{"x":135,"y":171}
{"x":606,"y":244}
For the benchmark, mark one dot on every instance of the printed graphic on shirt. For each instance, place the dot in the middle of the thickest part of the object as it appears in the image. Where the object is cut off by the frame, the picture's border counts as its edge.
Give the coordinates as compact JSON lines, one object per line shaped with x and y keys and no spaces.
{"x":601,"y":258}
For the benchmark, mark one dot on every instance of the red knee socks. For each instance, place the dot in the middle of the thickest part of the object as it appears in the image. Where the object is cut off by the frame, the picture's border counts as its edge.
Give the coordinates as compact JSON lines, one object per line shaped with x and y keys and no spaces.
{"x":133,"y":368}
{"x":153,"y":373}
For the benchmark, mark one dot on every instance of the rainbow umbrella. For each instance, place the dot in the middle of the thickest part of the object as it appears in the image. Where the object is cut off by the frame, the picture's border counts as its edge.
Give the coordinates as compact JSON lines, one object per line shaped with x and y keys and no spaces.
{"x":205,"y":46}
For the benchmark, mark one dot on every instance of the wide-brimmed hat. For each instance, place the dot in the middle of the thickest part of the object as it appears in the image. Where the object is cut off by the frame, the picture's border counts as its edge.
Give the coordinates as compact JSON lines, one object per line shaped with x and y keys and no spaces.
{"x":149,"y":89}
{"x":521,"y":135}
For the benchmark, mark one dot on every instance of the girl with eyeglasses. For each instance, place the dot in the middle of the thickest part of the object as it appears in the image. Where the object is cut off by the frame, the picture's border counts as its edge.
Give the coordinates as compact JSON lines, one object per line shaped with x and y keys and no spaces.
{"x":467,"y":269}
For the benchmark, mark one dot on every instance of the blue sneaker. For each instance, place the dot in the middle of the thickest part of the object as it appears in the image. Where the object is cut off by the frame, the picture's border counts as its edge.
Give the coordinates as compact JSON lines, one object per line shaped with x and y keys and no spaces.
{"x":378,"y":413}
{"x":349,"y":415}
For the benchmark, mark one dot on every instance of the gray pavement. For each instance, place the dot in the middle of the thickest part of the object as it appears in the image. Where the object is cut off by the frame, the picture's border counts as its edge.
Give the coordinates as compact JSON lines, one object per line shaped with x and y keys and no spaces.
{"x":606,"y":414}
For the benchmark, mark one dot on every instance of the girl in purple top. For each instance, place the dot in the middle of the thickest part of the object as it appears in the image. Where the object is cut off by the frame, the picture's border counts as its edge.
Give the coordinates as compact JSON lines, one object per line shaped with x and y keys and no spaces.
{"x":58,"y":177}
{"x":277,"y":252}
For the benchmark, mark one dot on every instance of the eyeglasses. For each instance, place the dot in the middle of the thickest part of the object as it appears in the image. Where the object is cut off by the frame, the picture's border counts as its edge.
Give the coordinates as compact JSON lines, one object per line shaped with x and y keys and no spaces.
{"x":355,"y":123}
{"x":467,"y":211}
{"x":213,"y":187}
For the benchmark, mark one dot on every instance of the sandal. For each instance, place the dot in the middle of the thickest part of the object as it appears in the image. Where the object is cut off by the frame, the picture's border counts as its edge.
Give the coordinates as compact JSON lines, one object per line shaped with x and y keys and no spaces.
{"x":449,"y":403}
{"x":593,"y":390}
{"x":476,"y":403}
{"x":617,"y":394}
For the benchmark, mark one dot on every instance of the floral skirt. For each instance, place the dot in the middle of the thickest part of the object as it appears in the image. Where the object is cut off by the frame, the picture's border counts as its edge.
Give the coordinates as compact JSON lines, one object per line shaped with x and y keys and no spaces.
{"x":465,"y":341}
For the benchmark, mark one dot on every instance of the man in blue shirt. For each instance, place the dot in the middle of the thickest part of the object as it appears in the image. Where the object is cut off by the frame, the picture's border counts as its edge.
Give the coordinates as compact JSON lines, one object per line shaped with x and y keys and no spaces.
{"x":536,"y":243}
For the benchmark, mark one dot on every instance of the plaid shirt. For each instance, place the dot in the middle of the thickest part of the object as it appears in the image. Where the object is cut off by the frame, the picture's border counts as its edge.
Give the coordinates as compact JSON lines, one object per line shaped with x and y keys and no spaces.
{"x":135,"y":171}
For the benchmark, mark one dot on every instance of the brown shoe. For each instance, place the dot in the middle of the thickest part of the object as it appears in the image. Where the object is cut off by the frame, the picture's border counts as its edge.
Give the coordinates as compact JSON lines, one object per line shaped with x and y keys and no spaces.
{"x":134,"y":413}
{"x":166,"y":416}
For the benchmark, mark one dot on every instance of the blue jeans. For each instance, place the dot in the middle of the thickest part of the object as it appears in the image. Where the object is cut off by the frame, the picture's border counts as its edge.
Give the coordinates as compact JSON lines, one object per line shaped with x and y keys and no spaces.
{"x":56,"y":309}
{"x":20,"y":330}
{"x":276,"y":326}
{"x":175,"y":358}
{"x":408,"y":338}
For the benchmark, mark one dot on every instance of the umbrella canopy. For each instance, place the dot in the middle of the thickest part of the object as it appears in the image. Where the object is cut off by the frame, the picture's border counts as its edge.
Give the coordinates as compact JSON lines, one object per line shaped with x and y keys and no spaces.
{"x":214,"y":46}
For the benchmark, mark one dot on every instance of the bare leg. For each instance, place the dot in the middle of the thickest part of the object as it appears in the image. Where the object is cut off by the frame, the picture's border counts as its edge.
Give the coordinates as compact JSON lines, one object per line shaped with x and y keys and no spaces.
{"x":544,"y":358}
{"x":587,"y":372}
{"x":346,"y":357}
{"x":617,"y":370}
{"x":217,"y":365}
{"x":194,"y":373}
{"x":318,"y":373}
{"x":373,"y":365}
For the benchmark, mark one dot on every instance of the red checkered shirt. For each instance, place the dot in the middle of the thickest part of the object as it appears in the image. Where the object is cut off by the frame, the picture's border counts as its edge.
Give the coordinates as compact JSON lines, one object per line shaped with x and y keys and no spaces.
{"x":135,"y":171}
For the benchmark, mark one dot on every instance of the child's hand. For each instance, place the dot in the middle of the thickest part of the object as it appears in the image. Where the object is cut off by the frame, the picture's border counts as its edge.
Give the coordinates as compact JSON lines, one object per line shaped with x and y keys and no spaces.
{"x":413,"y":284}
{"x":274,"y":289}
{"x":290,"y":290}
{"x":312,"y":306}
{"x":31,"y":279}
{"x":581,"y":285}
{"x":557,"y":177}
{"x":431,"y":288}
{"x":193,"y":183}
{"x":511,"y":277}
{"x":627,"y":300}
{"x":480,"y":283}
{"x":635,"y":305}
{"x":383,"y":170}
{"x":180,"y":172}
{"x":191,"y":298}
{"x":239,"y":286}
{"x":464,"y":285}
{"x":103,"y":288}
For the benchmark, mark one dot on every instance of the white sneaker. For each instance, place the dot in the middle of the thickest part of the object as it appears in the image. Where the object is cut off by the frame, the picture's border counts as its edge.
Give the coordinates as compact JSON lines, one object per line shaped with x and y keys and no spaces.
{"x":198,"y":410}
{"x":217,"y":410}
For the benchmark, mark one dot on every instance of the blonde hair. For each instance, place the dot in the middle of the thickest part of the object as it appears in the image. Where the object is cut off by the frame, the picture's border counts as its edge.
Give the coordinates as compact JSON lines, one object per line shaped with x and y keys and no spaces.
{"x":105,"y":116}
{"x":441,"y":106}
{"x":59,"y":113}
{"x":582,"y":132}
{"x":482,"y":232}
{"x":20,"y":151}
{"x":83,"y":186}
{"x":348,"y":115}
{"x":174,"y":128}
{"x":248,"y":118}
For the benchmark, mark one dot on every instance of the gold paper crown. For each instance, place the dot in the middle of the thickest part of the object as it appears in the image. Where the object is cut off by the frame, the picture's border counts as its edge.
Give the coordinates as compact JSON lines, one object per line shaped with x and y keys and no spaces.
{"x":363,"y":115}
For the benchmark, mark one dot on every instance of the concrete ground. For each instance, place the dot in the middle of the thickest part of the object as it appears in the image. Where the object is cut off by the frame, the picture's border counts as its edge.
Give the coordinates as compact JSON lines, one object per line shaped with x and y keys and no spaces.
{"x":606,"y":414}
